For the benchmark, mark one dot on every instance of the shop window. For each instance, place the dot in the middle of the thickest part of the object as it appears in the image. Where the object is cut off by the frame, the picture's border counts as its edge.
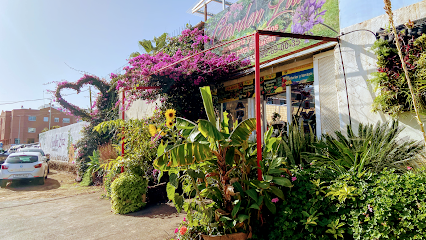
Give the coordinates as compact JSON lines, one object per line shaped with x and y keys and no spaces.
{"x":31,"y":118}
{"x":30,"y":140}
{"x":17,"y":141}
{"x":31,"y":130}
{"x":237,"y":111}
{"x":46,"y":119}
{"x":66,"y":120}
{"x":56,"y":119}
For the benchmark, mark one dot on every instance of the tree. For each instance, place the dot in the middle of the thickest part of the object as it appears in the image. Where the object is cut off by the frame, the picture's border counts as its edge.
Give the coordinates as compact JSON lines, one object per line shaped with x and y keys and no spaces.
{"x":148,"y":46}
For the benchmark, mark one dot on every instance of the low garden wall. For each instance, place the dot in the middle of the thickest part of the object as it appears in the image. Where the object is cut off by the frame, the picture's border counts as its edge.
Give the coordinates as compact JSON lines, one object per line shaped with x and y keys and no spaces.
{"x":59,"y":143}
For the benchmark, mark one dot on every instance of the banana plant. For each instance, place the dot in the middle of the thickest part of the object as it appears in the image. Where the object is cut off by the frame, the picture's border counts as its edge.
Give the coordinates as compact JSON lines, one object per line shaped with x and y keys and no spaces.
{"x":208,"y":153}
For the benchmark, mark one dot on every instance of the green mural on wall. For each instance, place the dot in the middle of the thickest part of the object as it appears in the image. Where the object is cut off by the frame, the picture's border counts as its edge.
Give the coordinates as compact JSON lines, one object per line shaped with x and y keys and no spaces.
{"x":311,"y":17}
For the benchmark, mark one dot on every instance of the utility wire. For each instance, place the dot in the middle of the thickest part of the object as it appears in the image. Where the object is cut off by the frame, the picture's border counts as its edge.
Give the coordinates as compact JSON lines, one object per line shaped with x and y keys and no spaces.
{"x":33,"y":100}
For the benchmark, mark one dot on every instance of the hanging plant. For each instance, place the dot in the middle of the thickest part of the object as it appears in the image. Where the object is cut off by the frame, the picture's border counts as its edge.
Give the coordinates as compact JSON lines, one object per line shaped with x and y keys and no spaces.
{"x":394,"y":95}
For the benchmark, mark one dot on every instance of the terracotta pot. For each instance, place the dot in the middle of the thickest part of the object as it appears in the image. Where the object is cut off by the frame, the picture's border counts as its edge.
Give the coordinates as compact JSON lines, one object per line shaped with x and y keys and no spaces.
{"x":233,"y":236}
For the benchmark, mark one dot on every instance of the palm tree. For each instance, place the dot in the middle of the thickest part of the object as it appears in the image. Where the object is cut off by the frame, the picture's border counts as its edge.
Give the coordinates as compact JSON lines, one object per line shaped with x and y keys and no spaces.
{"x":159,"y":43}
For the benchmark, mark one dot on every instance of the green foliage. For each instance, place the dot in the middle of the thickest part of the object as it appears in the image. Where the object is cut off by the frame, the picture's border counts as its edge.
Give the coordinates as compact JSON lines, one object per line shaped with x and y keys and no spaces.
{"x":395,"y":208}
{"x":217,"y":166}
{"x":152,"y":46}
{"x":109,"y":178}
{"x":126,"y":193}
{"x":373,"y":148}
{"x":307,"y":211}
{"x":393,"y":95}
{"x":352,"y":206}
{"x":92,"y":169}
{"x":139,"y":150}
{"x":295,"y":143}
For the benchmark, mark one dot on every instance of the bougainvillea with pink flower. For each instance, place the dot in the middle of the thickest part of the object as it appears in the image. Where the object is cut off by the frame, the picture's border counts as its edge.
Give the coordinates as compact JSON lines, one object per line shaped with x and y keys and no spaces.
{"x":192,"y":68}
{"x":102,"y":109}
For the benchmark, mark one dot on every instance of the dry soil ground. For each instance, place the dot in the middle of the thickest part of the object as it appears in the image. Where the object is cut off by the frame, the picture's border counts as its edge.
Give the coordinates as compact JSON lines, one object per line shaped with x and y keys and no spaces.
{"x":60,"y":209}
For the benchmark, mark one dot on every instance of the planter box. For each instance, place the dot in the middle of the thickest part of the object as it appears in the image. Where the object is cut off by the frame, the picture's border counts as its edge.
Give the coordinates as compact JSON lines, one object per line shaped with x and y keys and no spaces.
{"x":157,"y":193}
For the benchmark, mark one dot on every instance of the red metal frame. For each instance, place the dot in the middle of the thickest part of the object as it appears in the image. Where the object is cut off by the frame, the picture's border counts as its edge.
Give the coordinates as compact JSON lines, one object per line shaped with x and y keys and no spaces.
{"x":257,"y":78}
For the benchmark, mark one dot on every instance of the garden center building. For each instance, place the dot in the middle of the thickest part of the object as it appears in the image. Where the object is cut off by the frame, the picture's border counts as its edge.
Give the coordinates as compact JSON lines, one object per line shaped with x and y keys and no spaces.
{"x":322,"y":83}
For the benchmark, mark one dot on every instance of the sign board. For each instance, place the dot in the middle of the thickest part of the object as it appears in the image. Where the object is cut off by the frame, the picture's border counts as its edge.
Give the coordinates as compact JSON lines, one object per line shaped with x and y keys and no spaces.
{"x":312,"y":17}
{"x":269,"y":85}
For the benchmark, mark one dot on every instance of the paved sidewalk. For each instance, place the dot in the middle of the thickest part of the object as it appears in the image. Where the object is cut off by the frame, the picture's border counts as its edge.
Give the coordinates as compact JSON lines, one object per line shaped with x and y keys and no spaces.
{"x":83,"y":216}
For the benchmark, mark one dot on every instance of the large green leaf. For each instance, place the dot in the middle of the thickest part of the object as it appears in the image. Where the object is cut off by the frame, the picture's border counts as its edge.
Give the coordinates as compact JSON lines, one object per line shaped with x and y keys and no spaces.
{"x":269,"y":204}
{"x":209,"y":130}
{"x":208,"y":104}
{"x":277,"y":192}
{"x":252,"y":193}
{"x":183,"y":155}
{"x":236,"y":209}
{"x":282,"y":181}
{"x":243,"y":131}
{"x":186,"y":126}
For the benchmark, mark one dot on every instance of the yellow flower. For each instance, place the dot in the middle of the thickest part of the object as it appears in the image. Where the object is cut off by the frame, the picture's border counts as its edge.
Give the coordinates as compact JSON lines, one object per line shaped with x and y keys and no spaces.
{"x":169,"y":124}
{"x":170,"y":114}
{"x":163,"y":134}
{"x":152,"y":130}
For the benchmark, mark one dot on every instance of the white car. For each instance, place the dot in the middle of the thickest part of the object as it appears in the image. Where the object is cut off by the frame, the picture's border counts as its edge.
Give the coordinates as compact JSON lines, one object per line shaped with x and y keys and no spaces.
{"x":30,"y":166}
{"x":46,"y":157}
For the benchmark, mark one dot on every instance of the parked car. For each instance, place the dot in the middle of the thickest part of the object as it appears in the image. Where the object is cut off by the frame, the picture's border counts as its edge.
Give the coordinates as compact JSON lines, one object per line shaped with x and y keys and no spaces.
{"x":29,"y":166}
{"x":31,"y":149}
{"x":3,"y":156}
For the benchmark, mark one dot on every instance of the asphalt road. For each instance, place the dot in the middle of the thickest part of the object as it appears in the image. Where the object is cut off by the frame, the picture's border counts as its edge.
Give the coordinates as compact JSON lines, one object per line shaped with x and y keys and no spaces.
{"x":83,"y":216}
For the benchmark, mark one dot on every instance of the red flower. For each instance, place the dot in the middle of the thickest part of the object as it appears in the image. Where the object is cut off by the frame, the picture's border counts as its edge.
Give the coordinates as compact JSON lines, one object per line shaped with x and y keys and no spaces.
{"x":183,"y":230}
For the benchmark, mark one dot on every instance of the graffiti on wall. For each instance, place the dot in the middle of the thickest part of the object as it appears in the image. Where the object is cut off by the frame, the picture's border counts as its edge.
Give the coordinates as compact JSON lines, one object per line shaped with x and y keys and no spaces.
{"x":60,"y":142}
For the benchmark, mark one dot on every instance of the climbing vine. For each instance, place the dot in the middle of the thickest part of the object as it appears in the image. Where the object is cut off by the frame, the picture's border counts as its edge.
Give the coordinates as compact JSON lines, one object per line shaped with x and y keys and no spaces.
{"x":394,"y":96}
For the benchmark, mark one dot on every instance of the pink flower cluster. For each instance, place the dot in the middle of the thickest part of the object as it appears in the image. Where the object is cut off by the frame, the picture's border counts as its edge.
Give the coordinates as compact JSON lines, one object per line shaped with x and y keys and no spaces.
{"x":185,"y":65}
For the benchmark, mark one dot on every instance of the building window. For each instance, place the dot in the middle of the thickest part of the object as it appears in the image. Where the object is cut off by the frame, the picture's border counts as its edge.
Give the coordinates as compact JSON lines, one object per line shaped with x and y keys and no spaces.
{"x":31,"y":118}
{"x":56,"y":119}
{"x":46,"y":119}
{"x":17,"y":141}
{"x":31,"y":130}
{"x":30,"y":140}
{"x":66,"y":120}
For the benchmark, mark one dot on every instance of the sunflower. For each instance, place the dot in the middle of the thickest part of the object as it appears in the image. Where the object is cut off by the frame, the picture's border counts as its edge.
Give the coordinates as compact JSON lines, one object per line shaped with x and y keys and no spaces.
{"x":152,"y":130}
{"x":169,"y":124}
{"x":170,"y":114}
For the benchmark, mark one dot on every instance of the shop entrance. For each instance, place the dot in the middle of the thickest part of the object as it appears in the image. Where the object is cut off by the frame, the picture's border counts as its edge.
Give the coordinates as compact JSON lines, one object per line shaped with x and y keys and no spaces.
{"x":302,"y":109}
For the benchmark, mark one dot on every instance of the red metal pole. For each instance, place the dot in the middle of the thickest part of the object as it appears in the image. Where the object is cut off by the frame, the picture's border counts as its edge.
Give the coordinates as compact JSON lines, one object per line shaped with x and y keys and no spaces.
{"x":122,"y":117}
{"x":257,"y":93}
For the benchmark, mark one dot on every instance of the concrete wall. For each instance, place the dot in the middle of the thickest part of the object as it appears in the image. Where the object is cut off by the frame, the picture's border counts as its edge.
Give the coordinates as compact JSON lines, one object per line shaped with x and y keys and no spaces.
{"x":58,"y":142}
{"x":140,"y":109}
{"x":359,"y":62}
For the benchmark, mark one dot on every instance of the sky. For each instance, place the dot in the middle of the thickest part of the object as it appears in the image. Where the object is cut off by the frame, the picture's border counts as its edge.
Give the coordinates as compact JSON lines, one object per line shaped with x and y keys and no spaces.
{"x":42,"y":41}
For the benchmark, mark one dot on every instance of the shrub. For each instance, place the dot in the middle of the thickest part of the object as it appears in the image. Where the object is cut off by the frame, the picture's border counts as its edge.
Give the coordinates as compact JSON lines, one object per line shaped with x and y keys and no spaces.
{"x":126,"y":193}
{"x":306,"y":212}
{"x":109,"y":179}
{"x":373,"y":148}
{"x":395,"y":208}
{"x":353,"y":206}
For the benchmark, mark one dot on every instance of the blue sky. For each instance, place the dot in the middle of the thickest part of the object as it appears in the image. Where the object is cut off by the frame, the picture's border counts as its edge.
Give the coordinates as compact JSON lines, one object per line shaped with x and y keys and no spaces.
{"x":41,"y":39}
